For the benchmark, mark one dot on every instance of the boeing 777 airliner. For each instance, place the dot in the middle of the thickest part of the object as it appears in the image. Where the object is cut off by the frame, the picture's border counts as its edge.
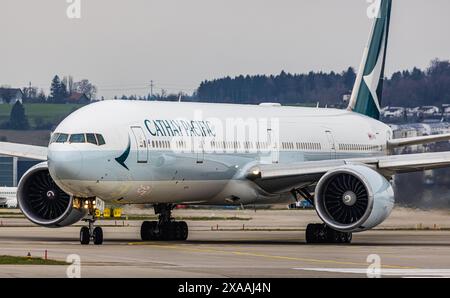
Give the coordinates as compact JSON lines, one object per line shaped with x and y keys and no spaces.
{"x":167,"y":153}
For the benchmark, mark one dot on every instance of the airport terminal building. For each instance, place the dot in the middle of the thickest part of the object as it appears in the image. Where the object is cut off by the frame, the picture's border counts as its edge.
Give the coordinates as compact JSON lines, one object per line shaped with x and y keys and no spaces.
{"x":13,"y":168}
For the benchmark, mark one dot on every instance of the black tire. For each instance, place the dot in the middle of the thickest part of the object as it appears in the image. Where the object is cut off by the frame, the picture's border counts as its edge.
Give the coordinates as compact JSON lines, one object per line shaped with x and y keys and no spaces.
{"x":317,"y":234}
{"x":85,"y":238}
{"x":98,"y":236}
{"x":337,"y":237}
{"x":145,"y":230}
{"x":168,"y":231}
{"x":184,"y":230}
{"x":181,"y":231}
{"x":153,"y":232}
{"x":311,"y":234}
{"x":178,"y":231}
{"x":333,"y":236}
{"x":348,"y":238}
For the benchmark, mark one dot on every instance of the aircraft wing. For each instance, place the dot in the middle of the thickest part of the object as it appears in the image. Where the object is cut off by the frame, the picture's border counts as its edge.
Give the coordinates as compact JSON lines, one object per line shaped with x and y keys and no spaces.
{"x":277,"y":178}
{"x":21,"y":150}
{"x":418,"y":140}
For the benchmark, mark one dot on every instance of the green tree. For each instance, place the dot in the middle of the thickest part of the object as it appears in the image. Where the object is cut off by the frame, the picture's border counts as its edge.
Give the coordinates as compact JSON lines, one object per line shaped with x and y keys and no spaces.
{"x":86,"y":87}
{"x":58,"y":90}
{"x":17,"y":119}
{"x":349,"y":78}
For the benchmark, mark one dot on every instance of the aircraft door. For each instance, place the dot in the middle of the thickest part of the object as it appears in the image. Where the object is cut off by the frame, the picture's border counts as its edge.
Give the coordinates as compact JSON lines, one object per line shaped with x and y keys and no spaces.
{"x":199,"y":144}
{"x":332,"y":143}
{"x":273,"y":146}
{"x":141,"y":144}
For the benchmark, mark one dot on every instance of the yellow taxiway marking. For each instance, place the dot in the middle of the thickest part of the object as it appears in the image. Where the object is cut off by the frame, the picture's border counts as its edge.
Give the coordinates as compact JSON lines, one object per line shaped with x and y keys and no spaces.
{"x":186,"y":247}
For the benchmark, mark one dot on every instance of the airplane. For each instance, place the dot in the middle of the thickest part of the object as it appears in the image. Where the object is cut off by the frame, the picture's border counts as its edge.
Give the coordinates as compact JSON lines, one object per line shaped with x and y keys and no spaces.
{"x":169,"y":153}
{"x":8,"y":197}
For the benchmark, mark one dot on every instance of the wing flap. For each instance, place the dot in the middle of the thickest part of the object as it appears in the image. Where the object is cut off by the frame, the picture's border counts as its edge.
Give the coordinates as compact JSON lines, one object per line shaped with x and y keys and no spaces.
{"x":25,"y":151}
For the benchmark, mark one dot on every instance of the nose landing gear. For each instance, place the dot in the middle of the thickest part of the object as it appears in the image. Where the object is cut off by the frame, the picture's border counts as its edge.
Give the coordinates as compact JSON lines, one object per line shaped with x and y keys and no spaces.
{"x":90,"y":232}
{"x":166,"y":228}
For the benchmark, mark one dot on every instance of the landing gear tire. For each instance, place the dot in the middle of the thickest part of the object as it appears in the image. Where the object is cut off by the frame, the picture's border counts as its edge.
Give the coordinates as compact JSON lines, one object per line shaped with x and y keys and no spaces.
{"x":166,"y":228}
{"x":312,"y":235}
{"x":170,"y":231}
{"x":149,"y":231}
{"x":85,"y":237}
{"x":88,"y":233}
{"x":97,"y":235}
{"x":320,"y":233}
{"x":348,"y":238}
{"x":145,"y":231}
{"x":184,"y":230}
{"x":175,"y":231}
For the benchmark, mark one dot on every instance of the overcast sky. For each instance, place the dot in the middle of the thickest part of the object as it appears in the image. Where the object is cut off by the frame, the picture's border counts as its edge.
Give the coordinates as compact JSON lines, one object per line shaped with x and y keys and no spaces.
{"x":121,"y":45}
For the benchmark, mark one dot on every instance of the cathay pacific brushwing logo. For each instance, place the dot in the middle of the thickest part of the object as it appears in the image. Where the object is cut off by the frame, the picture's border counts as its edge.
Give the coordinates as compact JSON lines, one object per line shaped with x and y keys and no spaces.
{"x":372,"y":80}
{"x":121,"y":159}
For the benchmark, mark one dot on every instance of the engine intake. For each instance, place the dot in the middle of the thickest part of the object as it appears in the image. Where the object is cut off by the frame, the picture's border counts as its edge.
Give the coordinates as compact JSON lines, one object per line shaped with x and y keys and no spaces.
{"x":353,"y":198}
{"x":43,"y":202}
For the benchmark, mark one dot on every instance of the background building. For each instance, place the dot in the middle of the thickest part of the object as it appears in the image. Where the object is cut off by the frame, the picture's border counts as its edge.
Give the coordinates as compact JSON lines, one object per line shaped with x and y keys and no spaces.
{"x":12,"y":169}
{"x":10,"y":95}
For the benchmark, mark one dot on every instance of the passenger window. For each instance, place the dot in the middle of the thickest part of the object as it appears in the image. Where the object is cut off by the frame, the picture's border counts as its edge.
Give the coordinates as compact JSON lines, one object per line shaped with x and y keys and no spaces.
{"x":100,"y":139}
{"x":62,"y":138}
{"x":90,"y":138}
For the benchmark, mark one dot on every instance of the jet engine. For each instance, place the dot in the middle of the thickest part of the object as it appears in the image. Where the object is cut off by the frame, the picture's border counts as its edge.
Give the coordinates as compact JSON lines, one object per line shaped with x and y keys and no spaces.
{"x":353,"y":198}
{"x":43,"y":202}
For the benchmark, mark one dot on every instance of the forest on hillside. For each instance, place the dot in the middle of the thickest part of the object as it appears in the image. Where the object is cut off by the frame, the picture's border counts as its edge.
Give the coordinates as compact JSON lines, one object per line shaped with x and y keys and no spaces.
{"x":407,"y":88}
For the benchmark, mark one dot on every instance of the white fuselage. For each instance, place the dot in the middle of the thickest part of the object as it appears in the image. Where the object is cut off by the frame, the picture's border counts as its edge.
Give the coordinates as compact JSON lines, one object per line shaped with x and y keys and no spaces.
{"x":8,"y":197}
{"x":161,"y":152}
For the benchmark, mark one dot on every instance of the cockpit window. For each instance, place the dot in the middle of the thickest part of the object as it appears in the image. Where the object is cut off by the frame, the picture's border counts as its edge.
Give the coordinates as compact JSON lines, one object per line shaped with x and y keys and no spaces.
{"x":100,"y":139}
{"x":77,"y":138}
{"x":90,"y":138}
{"x":54,"y":137}
{"x":62,"y":138}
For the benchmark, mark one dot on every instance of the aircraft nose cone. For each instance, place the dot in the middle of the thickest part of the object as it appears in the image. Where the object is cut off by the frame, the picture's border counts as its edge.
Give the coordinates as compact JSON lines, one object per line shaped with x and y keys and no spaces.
{"x":65,"y":164}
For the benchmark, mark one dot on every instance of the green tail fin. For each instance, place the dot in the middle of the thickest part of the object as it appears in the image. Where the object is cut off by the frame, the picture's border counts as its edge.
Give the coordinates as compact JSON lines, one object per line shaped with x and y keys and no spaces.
{"x":367,"y":91}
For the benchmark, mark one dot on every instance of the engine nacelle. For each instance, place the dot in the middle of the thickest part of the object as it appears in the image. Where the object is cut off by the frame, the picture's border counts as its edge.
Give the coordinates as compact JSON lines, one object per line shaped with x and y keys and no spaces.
{"x":353,"y":198}
{"x":43,"y":202}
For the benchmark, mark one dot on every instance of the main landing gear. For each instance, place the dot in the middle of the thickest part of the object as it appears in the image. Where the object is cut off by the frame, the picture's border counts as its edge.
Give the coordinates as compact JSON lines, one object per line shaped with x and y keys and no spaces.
{"x":166,"y":228}
{"x":321,"y":233}
{"x":90,"y":232}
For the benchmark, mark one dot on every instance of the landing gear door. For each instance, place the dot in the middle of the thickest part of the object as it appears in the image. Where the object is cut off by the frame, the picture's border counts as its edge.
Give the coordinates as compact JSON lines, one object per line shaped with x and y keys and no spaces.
{"x":141,"y":144}
{"x":332,"y":144}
